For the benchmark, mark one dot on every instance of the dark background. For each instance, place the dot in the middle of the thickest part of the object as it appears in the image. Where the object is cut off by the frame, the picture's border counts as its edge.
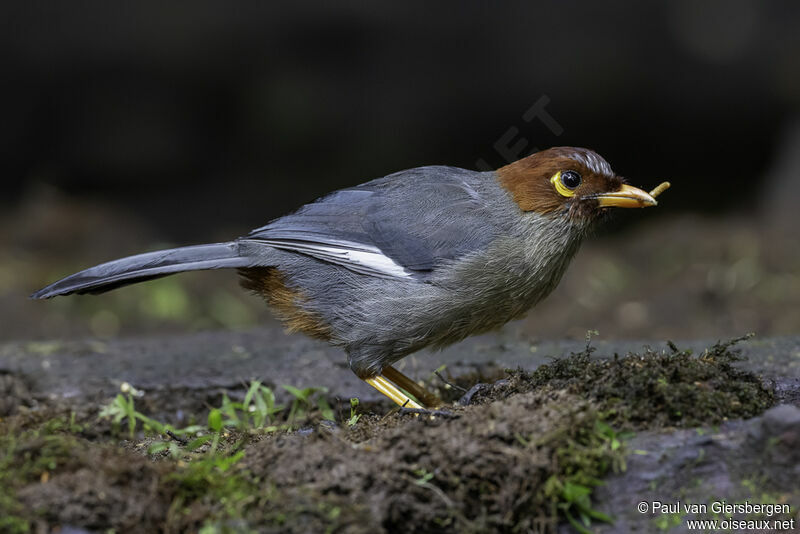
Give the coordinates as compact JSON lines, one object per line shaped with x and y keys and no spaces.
{"x":129,"y":126}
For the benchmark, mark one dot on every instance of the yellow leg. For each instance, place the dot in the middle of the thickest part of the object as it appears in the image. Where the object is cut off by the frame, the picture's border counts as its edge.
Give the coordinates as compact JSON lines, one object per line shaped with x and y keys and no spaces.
{"x":391,"y":391}
{"x":428,"y":399}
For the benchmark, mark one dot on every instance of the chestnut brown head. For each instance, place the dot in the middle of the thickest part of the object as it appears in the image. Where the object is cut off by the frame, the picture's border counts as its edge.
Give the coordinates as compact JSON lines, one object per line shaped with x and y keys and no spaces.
{"x":572,"y":181}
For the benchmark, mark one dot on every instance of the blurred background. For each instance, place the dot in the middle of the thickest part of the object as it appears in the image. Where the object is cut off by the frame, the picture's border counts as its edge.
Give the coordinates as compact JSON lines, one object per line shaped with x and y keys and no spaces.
{"x":130,"y":127}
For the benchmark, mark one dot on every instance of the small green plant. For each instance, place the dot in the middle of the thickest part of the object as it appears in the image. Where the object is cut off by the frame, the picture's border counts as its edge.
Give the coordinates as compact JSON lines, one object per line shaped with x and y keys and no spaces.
{"x":614,"y":442}
{"x":211,"y":476}
{"x":576,"y":500}
{"x":424,"y":476}
{"x":215,"y":425}
{"x":354,"y":417}
{"x":252,"y":415}
{"x":263,"y":408}
{"x":304,"y":401}
{"x":123,"y":407}
{"x":257,"y":411}
{"x":582,"y":460}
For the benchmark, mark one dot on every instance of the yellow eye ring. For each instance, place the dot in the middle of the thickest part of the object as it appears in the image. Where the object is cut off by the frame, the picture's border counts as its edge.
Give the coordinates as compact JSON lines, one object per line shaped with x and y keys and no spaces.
{"x":562,"y":189}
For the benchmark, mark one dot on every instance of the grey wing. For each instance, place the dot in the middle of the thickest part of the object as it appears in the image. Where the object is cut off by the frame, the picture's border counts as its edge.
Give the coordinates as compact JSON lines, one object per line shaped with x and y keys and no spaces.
{"x":400,"y":226}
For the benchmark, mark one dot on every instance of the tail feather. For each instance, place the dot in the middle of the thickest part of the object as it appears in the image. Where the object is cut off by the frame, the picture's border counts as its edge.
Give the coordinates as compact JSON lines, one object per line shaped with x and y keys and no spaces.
{"x":132,"y":269}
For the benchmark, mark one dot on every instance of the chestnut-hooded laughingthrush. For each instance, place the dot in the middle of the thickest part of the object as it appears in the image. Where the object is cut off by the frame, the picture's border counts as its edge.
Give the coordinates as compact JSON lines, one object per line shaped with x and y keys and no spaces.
{"x":420,"y":258}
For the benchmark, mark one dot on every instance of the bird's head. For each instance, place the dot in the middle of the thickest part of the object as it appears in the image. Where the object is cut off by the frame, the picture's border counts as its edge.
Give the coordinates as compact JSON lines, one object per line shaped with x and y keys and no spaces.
{"x":570,"y":181}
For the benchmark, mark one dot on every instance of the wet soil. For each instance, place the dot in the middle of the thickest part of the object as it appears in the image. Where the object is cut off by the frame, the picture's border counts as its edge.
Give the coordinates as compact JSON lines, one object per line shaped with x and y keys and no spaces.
{"x":543,"y":441}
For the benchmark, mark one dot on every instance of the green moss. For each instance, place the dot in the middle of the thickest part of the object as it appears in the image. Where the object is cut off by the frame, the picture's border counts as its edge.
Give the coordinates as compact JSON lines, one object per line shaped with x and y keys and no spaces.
{"x":28,"y":456}
{"x":582,"y":455}
{"x":209,"y":488}
{"x":667,"y":521}
{"x":218,"y":495}
{"x":209,"y":492}
{"x":657,"y":389}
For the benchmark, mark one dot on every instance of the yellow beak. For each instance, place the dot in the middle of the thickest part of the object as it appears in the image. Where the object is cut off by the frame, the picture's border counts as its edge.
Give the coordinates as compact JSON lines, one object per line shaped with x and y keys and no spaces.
{"x":626,"y":197}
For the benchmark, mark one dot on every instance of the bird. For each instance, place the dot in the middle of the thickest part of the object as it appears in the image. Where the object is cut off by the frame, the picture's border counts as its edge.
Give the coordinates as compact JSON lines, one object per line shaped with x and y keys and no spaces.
{"x":424,"y":257}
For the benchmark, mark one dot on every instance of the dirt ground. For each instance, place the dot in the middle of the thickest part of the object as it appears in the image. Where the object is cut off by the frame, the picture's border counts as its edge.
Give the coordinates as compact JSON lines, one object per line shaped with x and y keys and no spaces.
{"x":508,"y":451}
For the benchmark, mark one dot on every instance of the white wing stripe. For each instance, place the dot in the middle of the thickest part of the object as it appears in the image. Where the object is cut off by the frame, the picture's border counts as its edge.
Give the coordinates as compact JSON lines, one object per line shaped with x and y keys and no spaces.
{"x":358,"y":257}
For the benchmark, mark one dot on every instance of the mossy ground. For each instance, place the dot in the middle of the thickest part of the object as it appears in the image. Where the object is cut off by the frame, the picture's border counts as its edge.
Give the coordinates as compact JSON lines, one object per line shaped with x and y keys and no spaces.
{"x":522,"y":456}
{"x":657,"y":389}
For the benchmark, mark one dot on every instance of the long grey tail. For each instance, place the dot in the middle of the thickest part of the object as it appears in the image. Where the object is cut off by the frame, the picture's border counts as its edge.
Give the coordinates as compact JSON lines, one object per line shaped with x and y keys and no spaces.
{"x":117,"y":273}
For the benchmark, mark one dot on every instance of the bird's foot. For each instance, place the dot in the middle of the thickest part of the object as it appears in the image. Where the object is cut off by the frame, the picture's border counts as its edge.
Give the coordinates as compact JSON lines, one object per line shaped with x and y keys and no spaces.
{"x":396,"y":385}
{"x":425,"y":397}
{"x":390,"y":390}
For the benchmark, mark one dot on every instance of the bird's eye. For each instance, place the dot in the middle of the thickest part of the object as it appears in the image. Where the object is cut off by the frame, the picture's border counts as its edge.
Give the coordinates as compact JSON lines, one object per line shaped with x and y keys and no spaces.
{"x":565,"y":182}
{"x":571,"y":179}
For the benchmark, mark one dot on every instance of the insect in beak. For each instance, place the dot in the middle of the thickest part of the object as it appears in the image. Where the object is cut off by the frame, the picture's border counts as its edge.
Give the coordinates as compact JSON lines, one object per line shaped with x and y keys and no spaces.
{"x":628,"y":196}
